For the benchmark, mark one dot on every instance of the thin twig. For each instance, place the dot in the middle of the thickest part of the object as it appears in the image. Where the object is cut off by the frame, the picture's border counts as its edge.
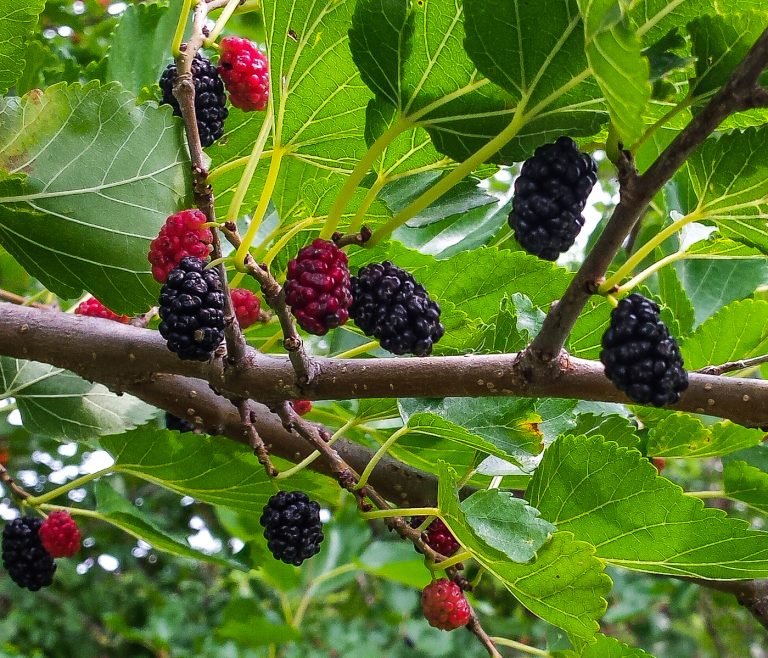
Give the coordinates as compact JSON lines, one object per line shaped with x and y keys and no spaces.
{"x":476,"y":628}
{"x":13,"y":298}
{"x":17,"y":491}
{"x":731,"y":366}
{"x":252,"y":437}
{"x":274,"y":296}
{"x":358,"y":239}
{"x":636,"y":193}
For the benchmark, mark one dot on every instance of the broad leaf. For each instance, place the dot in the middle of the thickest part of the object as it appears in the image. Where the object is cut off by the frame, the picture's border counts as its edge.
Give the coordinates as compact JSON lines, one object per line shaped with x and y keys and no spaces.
{"x":56,"y":403}
{"x":614,"y":499}
{"x":746,"y":483}
{"x":17,"y":20}
{"x":605,"y":647}
{"x":565,"y":585}
{"x":506,"y":523}
{"x":116,"y":510}
{"x":738,"y":331}
{"x":683,"y":435}
{"x":86,"y":181}
{"x":211,"y":469}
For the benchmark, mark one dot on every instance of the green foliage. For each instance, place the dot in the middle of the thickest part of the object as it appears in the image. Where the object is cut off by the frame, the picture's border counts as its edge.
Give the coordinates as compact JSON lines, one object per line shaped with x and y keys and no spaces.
{"x":400,"y":115}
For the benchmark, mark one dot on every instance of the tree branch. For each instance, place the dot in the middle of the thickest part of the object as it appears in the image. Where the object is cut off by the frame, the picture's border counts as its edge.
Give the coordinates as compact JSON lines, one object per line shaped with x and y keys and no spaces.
{"x":95,"y":348}
{"x":739,"y":93}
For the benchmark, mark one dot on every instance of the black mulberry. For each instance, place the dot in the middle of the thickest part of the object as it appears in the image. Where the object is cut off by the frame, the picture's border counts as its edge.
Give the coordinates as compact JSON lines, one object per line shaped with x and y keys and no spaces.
{"x":389,"y":305}
{"x":292,"y":526}
{"x":210,"y":99}
{"x":550,"y":194}
{"x":192,"y":310}
{"x":639,"y":355}
{"x":179,"y":424}
{"x":25,"y":558}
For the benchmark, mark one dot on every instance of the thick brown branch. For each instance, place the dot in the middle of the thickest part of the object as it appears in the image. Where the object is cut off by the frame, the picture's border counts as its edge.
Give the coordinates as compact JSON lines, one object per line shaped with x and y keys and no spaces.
{"x":94,"y":348}
{"x":741,"y":92}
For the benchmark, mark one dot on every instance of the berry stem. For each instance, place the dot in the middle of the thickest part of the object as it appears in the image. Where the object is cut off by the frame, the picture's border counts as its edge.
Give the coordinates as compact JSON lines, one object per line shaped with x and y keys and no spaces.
{"x":181,"y":26}
{"x":261,"y":209}
{"x":380,"y":453}
{"x":648,"y":271}
{"x":451,"y":561}
{"x":233,"y":212}
{"x":357,"y":351}
{"x":504,"y":642}
{"x":16,"y":490}
{"x":453,"y":178}
{"x":646,"y":250}
{"x":312,"y":457}
{"x":221,"y":23}
{"x":410,"y":511}
{"x":359,"y":173}
{"x":707,"y":494}
{"x":36,"y":501}
{"x":370,"y":197}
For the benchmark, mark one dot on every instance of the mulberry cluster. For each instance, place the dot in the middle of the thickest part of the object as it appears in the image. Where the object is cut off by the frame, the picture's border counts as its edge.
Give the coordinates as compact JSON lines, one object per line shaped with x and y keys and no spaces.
{"x":389,"y":305}
{"x":192,"y":310}
{"x":639,"y":355}
{"x":210,"y":99}
{"x":292,"y":527}
{"x":245,"y":71}
{"x":183,"y":234}
{"x":317,"y":287}
{"x":93,"y":308}
{"x":445,"y":606}
{"x":24,"y":556}
{"x":438,"y":537}
{"x":550,"y":194}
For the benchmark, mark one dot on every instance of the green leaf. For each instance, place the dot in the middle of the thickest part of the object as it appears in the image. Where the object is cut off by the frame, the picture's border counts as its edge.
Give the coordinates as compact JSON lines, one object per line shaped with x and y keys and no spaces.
{"x":506,"y":523}
{"x":509,"y":424}
{"x":746,"y":483}
{"x":56,"y":403}
{"x":703,"y":282}
{"x":614,"y":499}
{"x":17,"y":19}
{"x":718,"y":247}
{"x":86,"y":181}
{"x":116,"y":510}
{"x":674,"y":298}
{"x":565,"y":585}
{"x":719,"y":44}
{"x":725,"y":183}
{"x":605,"y":647}
{"x":619,"y":429}
{"x":151,"y":25}
{"x":210,"y":469}
{"x":614,"y":54}
{"x":738,"y":331}
{"x":682,"y":435}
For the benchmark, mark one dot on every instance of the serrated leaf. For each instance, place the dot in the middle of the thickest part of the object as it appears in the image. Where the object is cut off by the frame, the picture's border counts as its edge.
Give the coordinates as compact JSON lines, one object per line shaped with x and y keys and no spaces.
{"x":506,"y":523}
{"x":725,"y":183}
{"x":86,"y":181}
{"x":604,"y":647}
{"x":57,"y":403}
{"x":681,"y":435}
{"x":509,"y":424}
{"x":152,"y":26}
{"x":210,"y":469}
{"x":615,"y":56}
{"x":746,"y":483}
{"x":116,"y":510}
{"x":565,"y":585}
{"x":674,"y":297}
{"x":738,"y":331}
{"x":614,"y":499}
{"x":17,"y":19}
{"x":619,"y":429}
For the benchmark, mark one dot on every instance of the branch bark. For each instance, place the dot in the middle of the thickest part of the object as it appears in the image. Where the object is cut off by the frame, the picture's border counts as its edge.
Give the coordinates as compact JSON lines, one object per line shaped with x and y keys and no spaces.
{"x":740,"y":92}
{"x":95,"y":349}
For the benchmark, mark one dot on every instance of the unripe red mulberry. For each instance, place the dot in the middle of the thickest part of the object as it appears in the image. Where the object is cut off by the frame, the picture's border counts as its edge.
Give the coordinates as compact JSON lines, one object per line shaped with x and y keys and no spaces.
{"x":445,"y":605}
{"x":60,"y":535}
{"x":247,"y":307}
{"x":245,"y":71}
{"x":182,"y":235}
{"x":93,"y":308}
